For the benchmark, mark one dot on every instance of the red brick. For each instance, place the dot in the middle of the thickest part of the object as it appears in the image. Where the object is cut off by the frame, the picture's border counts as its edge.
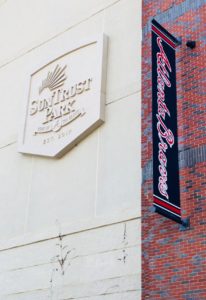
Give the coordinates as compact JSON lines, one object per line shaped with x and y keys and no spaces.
{"x":177,"y":270}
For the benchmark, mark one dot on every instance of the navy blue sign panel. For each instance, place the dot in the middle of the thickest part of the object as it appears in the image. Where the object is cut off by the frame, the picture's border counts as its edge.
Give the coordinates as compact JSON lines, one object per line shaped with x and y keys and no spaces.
{"x":166,"y":189}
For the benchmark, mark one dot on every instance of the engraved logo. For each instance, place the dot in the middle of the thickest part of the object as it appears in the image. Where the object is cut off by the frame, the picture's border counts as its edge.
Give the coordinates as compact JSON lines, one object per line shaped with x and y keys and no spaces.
{"x":59,"y":107}
{"x":54,"y":79}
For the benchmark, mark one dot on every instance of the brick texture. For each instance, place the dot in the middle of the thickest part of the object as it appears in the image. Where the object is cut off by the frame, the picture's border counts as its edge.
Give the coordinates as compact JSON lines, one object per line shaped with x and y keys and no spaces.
{"x":173,"y":259}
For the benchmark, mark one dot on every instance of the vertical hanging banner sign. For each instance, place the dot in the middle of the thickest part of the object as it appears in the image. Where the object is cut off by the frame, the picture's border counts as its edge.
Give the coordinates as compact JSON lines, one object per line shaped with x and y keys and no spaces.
{"x":166,"y":189}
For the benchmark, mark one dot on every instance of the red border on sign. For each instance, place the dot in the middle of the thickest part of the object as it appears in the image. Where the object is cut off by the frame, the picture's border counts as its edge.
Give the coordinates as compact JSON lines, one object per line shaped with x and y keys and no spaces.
{"x":167,"y":205}
{"x":163,"y":36}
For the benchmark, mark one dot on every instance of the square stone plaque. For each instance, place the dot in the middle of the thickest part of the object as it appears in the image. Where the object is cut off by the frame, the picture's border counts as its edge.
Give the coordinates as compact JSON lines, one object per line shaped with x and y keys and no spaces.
{"x":65,"y":100}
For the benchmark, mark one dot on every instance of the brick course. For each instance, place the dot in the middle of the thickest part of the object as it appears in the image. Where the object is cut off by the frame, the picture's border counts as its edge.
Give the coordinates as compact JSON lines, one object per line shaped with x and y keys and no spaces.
{"x":174,"y":260}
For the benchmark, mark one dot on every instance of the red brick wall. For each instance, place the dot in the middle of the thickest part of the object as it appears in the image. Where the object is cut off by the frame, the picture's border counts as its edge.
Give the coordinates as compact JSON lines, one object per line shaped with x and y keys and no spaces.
{"x":174,"y":260}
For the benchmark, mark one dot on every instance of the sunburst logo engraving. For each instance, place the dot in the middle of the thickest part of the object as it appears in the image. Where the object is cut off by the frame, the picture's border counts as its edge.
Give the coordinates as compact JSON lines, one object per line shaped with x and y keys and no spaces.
{"x":54,"y":79}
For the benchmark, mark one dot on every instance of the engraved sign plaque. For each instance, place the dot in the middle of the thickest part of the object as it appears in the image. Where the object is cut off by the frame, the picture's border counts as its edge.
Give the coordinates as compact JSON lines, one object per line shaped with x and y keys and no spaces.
{"x":65,"y":100}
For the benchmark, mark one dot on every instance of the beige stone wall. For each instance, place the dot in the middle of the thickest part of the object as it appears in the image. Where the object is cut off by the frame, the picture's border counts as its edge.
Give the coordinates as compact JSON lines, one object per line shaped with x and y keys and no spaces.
{"x":91,"y":196}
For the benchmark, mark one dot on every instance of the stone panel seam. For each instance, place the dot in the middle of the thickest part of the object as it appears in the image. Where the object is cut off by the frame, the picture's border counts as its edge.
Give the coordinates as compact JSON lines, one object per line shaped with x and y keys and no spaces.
{"x":123,"y":97}
{"x":57,"y":35}
{"x":8,"y":144}
{"x":22,"y":243}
